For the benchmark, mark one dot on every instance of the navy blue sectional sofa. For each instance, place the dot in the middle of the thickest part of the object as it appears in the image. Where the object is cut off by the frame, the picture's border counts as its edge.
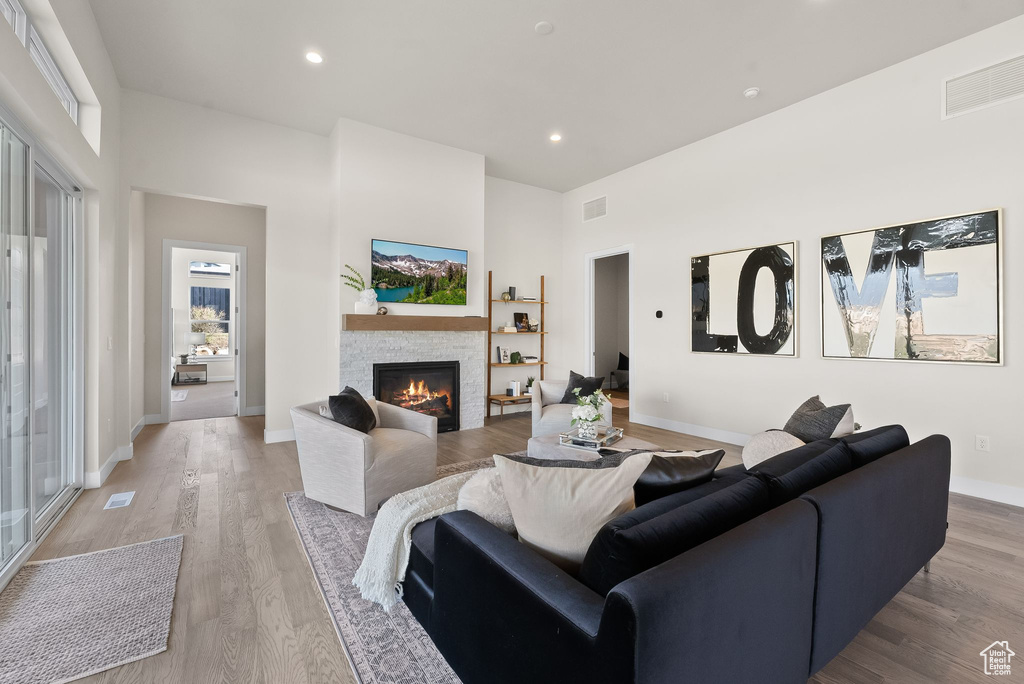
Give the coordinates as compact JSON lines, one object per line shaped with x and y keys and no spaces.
{"x":756,"y":576}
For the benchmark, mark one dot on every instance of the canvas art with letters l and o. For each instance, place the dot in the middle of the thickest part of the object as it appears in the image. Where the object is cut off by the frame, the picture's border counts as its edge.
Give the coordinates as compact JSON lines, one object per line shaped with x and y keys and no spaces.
{"x":925,"y":291}
{"x":744,"y":301}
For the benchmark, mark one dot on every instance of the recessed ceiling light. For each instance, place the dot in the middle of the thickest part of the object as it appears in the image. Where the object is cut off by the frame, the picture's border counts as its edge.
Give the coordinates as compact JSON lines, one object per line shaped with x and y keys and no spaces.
{"x":543,"y":28}
{"x":751,"y":93}
{"x":314,"y":57}
{"x":555,"y":137}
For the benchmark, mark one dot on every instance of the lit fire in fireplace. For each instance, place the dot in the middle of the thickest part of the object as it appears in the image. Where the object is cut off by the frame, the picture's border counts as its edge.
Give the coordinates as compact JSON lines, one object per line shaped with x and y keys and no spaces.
{"x":417,"y":396}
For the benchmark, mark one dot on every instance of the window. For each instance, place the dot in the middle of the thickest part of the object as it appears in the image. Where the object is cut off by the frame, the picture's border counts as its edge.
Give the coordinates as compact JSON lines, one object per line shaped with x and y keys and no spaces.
{"x":210,"y":313}
{"x":209,"y":270}
{"x":14,"y":13}
{"x":41,"y":56}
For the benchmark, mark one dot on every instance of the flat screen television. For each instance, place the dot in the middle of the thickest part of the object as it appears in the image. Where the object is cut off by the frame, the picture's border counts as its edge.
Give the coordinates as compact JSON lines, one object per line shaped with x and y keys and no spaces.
{"x":418,"y":274}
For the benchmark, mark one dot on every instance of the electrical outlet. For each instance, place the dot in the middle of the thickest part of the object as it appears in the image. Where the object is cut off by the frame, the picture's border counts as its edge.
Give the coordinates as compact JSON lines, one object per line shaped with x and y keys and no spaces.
{"x":664,"y":397}
{"x":982,"y":443}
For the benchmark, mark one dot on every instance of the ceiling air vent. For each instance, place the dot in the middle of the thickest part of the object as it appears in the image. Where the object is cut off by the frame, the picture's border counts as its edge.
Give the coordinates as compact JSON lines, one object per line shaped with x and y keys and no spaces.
{"x":595,"y":209}
{"x":983,"y":88}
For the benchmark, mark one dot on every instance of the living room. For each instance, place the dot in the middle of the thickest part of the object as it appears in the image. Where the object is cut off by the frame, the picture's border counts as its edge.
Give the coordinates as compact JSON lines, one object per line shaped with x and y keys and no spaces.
{"x":774,"y":151}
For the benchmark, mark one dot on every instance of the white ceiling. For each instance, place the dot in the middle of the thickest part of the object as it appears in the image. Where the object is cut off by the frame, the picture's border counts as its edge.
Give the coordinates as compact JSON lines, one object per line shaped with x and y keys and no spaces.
{"x":621,"y":81}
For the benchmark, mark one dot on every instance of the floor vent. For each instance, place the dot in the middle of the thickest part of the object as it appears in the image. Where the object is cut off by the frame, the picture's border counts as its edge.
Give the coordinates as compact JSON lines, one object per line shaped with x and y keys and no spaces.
{"x":119,"y":500}
{"x":983,"y":88}
{"x":595,"y":209}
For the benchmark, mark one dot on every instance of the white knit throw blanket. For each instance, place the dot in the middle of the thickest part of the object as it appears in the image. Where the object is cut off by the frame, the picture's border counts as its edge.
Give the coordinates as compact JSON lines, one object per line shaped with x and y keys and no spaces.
{"x":380,"y":576}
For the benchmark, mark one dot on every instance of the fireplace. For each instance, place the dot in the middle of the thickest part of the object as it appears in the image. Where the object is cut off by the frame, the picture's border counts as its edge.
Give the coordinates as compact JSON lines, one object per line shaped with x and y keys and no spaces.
{"x":429,"y":387}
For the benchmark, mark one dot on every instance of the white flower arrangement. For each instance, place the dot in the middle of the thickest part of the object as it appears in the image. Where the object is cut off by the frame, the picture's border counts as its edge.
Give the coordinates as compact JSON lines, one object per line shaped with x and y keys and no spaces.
{"x":588,"y":408}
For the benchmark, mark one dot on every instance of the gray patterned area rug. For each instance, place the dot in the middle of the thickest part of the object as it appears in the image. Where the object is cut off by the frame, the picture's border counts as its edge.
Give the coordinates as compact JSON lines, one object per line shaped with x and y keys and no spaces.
{"x":68,"y":618}
{"x":383,"y":648}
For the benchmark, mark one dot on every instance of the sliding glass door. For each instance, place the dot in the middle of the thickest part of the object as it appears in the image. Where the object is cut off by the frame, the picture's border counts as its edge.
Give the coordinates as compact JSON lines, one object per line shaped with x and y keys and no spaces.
{"x":38,"y":448}
{"x":15,"y":517}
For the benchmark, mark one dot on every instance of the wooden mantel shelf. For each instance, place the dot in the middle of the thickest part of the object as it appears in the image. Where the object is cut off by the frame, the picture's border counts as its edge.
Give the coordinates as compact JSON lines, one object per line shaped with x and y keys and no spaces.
{"x":418,"y":323}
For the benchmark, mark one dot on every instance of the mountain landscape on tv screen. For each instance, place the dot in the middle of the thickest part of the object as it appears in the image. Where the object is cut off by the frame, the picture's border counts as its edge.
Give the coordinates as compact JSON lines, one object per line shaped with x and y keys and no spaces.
{"x":409,"y":279}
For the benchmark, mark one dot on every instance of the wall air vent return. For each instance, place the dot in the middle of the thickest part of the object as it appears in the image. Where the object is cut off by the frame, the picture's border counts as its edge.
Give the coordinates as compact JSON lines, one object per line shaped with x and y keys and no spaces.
{"x":983,"y":88}
{"x":595,"y":209}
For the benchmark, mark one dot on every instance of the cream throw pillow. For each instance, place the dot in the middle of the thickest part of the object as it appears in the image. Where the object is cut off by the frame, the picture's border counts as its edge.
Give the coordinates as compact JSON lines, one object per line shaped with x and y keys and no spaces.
{"x":765,"y":445}
{"x":484,"y":495}
{"x":559,"y":506}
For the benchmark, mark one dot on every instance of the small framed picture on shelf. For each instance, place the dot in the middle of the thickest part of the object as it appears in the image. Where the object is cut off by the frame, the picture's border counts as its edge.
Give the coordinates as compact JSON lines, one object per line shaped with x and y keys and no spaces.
{"x":522,"y":322}
{"x":504,"y":355}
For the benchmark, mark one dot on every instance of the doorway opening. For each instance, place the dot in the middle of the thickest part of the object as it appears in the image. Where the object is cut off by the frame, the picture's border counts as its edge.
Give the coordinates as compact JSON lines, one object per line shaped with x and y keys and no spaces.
{"x":204,"y":315}
{"x":611,"y":323}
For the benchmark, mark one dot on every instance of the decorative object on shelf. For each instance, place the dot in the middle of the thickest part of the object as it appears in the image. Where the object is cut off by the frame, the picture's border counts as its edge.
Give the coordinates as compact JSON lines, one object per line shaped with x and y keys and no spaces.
{"x":530,"y":359}
{"x":512,"y":292}
{"x":727,"y":309}
{"x":529,"y":384}
{"x":587,"y":412}
{"x":533,"y":325}
{"x":522,"y":322}
{"x":506,"y":297}
{"x":382,"y":311}
{"x":516,"y":357}
{"x":503,"y":355}
{"x":507,"y":329}
{"x":367,"y":303}
{"x":867,"y":323}
{"x":183,"y":358}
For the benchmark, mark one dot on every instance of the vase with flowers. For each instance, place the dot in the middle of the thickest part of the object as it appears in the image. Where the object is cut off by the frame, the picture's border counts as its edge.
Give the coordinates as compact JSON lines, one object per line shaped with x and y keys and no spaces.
{"x":587,"y":412}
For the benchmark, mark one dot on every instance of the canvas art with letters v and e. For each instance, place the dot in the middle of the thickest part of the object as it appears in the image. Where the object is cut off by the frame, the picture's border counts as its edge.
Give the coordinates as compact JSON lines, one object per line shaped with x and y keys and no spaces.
{"x":744,"y":301}
{"x":925,"y":291}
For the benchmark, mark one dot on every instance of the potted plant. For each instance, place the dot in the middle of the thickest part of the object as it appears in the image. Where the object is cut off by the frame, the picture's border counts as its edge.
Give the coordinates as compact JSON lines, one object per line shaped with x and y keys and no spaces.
{"x":587,"y":412}
{"x":367,"y":303}
{"x":529,"y":384}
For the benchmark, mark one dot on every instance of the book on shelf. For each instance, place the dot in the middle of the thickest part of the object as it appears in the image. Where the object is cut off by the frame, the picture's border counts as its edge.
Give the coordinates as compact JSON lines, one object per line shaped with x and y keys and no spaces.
{"x":528,"y":299}
{"x":507,"y":329}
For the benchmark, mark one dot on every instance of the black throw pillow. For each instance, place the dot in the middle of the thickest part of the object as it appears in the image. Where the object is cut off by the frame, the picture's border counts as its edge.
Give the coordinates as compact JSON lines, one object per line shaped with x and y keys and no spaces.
{"x":587,"y":387}
{"x":351,"y":410}
{"x":623,"y":362}
{"x":668,"y":474}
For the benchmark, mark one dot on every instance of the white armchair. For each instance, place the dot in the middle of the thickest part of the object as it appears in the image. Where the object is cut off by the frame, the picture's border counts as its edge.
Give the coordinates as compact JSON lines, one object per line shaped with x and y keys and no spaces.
{"x":551,"y":417}
{"x":353,"y":471}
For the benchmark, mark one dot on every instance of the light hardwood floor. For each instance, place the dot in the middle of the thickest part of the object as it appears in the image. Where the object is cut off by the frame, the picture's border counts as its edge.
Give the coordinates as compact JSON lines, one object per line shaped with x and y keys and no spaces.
{"x":247,"y":608}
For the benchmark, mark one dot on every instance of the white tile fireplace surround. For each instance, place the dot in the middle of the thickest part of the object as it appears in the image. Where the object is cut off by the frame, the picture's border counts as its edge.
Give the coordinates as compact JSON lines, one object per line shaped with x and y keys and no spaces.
{"x":361,"y":349}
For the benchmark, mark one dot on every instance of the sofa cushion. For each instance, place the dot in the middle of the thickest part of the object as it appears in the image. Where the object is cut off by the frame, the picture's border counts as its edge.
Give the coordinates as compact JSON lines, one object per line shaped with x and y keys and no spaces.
{"x":871,"y":445}
{"x":624,"y":548}
{"x":351,"y":410}
{"x":673,"y":471}
{"x":559,"y":506}
{"x":585,"y":385}
{"x":826,"y":466}
{"x":813,"y":420}
{"x":768,"y":444}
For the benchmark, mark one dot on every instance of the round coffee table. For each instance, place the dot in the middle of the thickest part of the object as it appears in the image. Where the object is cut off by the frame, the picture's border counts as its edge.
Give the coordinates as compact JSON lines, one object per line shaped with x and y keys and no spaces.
{"x":548,"y":448}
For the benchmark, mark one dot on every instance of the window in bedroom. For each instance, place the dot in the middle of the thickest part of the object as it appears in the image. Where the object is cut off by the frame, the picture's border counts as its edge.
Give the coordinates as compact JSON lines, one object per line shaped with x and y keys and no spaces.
{"x":210,"y":314}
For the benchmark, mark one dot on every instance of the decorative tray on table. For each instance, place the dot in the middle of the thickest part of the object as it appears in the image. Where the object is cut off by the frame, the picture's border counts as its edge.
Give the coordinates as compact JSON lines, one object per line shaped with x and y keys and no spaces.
{"x":606,"y":436}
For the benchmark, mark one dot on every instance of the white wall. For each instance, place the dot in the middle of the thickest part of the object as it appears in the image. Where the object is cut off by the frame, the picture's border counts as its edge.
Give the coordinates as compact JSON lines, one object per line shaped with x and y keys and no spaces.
{"x":71,"y":31}
{"x":180,"y":218}
{"x":137,"y":311}
{"x":611,"y":314}
{"x":395,"y":187}
{"x":872,"y":152}
{"x":219,"y":368}
{"x":179,"y":149}
{"x":523,"y":240}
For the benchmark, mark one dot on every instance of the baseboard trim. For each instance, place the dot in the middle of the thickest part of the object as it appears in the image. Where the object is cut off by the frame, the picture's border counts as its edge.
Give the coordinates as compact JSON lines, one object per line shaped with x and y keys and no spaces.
{"x":96,"y":478}
{"x":275,"y":436}
{"x":138,"y":427}
{"x":991,"y":491}
{"x":153,"y":419}
{"x":255,"y":411}
{"x":726,"y":436}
